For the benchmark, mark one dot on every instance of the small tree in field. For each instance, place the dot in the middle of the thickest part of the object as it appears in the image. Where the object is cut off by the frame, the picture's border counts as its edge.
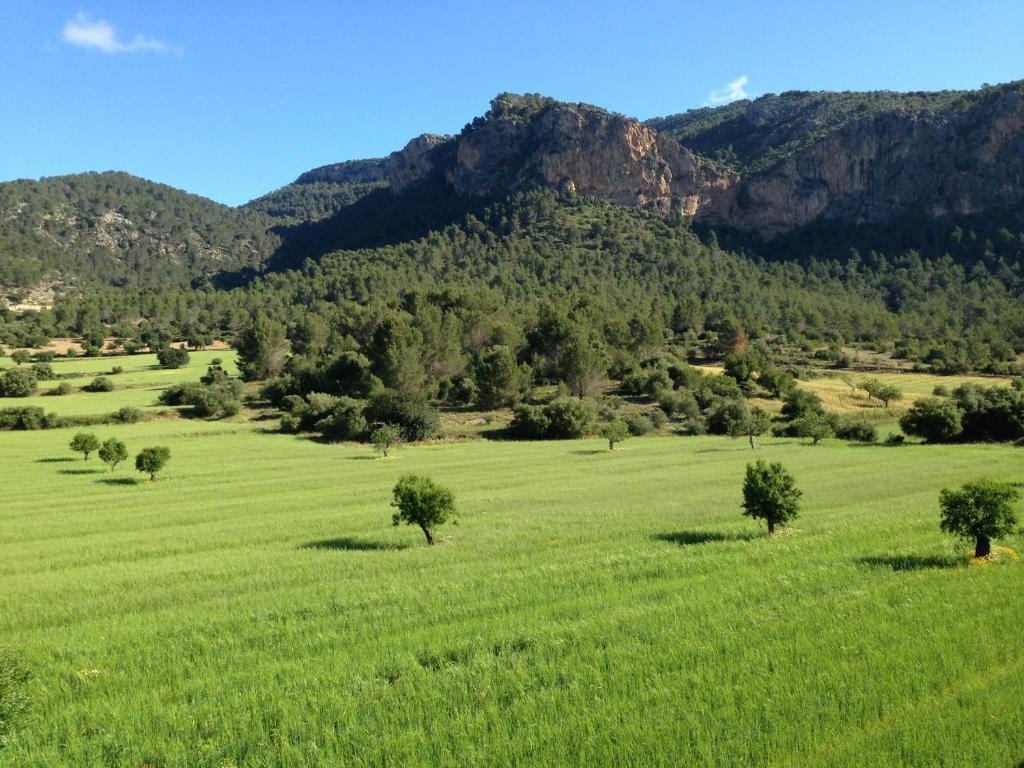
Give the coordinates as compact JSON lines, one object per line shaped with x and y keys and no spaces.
{"x":615,"y":432}
{"x":420,"y":501}
{"x":770,"y":494}
{"x":982,"y":510}
{"x":879,"y":390}
{"x":386,"y":438}
{"x":152,"y":460}
{"x":753,"y":424}
{"x":84,"y":443}
{"x":113,"y":452}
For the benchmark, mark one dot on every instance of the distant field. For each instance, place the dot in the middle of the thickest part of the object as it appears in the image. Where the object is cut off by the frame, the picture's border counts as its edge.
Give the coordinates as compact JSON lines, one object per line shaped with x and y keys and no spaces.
{"x":839,"y":397}
{"x":139,"y":386}
{"x":256,"y":608}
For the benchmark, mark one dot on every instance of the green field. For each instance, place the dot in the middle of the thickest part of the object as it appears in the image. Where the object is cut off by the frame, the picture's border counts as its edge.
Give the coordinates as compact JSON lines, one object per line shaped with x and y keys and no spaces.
{"x":139,"y":386}
{"x":256,"y":608}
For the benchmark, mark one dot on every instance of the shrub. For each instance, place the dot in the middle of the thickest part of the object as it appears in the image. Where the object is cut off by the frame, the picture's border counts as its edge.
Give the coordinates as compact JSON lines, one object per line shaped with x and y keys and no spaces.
{"x":725,"y":416}
{"x":27,"y":418}
{"x":799,"y":403}
{"x":410,"y":413}
{"x":17,"y":382}
{"x":982,"y":510}
{"x":568,"y":417}
{"x":638,"y":424}
{"x":934,"y":420}
{"x":857,"y":430}
{"x":62,"y":389}
{"x":529,"y":422}
{"x":100,"y":384}
{"x":127,"y":415}
{"x":43,"y":372}
{"x":770,"y":494}
{"x":678,"y":404}
{"x":172,"y":357}
{"x":344,"y":420}
{"x":420,"y":501}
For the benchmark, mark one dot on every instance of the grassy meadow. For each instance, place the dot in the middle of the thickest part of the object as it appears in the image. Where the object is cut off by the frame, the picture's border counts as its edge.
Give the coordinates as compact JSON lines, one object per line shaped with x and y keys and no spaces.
{"x":255,"y":607}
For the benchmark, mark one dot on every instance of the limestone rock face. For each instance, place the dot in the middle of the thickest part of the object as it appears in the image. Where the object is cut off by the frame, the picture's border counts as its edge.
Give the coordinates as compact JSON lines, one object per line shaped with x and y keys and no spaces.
{"x":865,"y":170}
{"x":568,"y":147}
{"x":418,"y":161}
{"x":876,"y":168}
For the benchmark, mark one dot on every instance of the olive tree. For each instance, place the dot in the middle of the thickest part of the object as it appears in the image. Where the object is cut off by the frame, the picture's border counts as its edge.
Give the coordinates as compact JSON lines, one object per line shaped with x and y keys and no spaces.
{"x":113,"y":452}
{"x":982,"y":510}
{"x":420,"y":501}
{"x":881,"y":391}
{"x":753,"y":424}
{"x":770,"y":494}
{"x":152,"y":460}
{"x":386,"y":438}
{"x":84,"y":443}
{"x":615,"y":431}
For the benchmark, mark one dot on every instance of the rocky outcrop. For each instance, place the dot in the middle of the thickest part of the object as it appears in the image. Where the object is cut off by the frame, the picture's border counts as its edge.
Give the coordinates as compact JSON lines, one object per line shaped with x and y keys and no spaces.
{"x":871,"y":170}
{"x":351,"y":172}
{"x":867,"y":166}
{"x":573,"y":148}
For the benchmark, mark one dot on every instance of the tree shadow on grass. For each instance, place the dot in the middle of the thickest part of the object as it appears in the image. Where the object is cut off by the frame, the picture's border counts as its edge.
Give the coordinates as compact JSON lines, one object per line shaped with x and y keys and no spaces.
{"x":350,"y":544}
{"x":912,"y":562}
{"x":120,"y":481}
{"x":56,"y":460}
{"x":686,"y":538}
{"x":79,"y":471}
{"x":590,"y":452}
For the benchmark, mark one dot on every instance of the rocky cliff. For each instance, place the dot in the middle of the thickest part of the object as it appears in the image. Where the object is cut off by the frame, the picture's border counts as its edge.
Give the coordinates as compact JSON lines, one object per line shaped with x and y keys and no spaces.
{"x":858,"y":158}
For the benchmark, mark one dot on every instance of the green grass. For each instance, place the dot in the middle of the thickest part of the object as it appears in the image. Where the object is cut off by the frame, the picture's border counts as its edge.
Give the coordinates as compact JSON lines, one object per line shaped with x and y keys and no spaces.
{"x":139,"y":386}
{"x":256,"y":608}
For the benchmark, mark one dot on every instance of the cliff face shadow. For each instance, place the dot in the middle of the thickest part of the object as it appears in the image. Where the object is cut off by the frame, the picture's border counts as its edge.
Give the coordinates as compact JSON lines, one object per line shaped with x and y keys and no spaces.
{"x":347,"y":543}
{"x":912,"y":562}
{"x":686,"y":538}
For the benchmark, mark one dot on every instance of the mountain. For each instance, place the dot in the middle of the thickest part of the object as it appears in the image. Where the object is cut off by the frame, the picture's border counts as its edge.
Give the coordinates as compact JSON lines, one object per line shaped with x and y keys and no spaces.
{"x":784,"y":176}
{"x":122,"y":230}
{"x":767,"y":166}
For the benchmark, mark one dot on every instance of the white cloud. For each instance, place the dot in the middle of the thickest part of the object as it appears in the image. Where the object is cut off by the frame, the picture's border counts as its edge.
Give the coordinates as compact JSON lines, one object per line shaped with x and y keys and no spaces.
{"x":733,"y":91}
{"x":99,"y":34}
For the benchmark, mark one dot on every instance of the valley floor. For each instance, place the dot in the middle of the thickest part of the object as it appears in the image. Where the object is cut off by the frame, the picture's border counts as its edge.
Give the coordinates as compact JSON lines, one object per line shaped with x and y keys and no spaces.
{"x":255,"y":607}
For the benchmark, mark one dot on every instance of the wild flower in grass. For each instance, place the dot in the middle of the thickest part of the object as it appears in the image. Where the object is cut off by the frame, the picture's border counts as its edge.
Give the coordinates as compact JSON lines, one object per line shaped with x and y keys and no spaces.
{"x":85,"y":674}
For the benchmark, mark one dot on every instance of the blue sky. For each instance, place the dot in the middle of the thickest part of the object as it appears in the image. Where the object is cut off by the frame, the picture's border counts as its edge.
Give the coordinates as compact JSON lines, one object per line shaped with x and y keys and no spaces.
{"x":233,"y":99}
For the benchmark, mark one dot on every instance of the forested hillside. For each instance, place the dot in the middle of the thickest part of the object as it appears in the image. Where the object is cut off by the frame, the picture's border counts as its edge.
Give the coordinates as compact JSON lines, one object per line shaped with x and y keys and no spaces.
{"x":122,"y":230}
{"x":544,"y":206}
